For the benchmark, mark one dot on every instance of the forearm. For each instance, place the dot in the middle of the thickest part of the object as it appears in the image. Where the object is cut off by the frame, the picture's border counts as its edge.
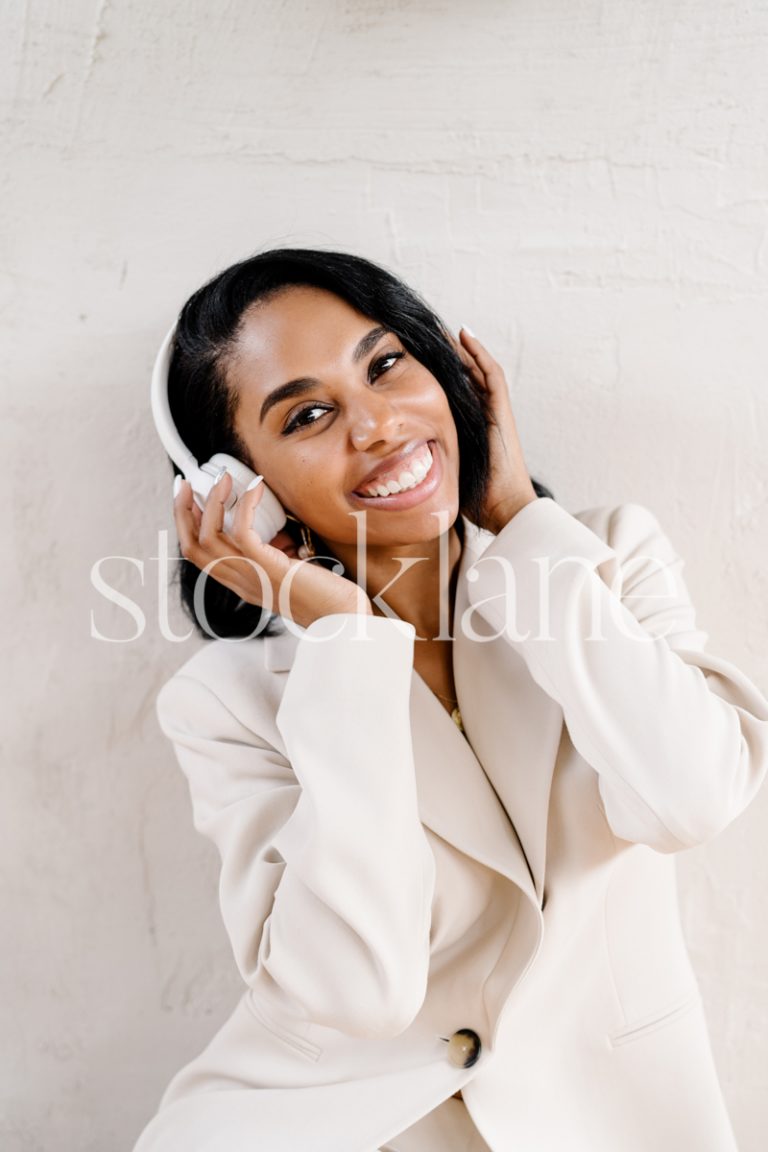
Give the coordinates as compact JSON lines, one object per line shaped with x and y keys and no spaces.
{"x":326,"y":875}
{"x":358,"y":862}
{"x":678,"y":737}
{"x":508,"y":508}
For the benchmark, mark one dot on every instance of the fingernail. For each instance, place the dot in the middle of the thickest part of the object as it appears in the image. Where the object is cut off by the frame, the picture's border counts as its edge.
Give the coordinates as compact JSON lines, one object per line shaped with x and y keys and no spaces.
{"x":176,"y":485}
{"x":220,"y":477}
{"x":468,"y":331}
{"x":254,"y":483}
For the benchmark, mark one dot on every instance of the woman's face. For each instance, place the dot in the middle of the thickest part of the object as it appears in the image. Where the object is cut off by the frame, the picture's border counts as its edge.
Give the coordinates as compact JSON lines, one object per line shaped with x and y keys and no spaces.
{"x":370,"y":418}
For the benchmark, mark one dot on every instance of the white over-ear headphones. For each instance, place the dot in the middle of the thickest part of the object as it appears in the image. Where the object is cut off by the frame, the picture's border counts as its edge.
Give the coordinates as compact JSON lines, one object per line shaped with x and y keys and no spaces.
{"x":269,"y":517}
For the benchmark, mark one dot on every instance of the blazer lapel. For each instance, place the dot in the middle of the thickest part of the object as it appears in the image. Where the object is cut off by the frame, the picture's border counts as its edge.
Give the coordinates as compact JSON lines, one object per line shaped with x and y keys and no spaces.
{"x":513,"y":725}
{"x":456,"y":798}
{"x":488,"y":793}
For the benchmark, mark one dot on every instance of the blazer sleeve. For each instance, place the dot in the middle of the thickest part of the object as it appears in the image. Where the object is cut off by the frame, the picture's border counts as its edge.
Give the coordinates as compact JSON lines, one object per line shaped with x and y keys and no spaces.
{"x":326,"y":874}
{"x":678,"y":737}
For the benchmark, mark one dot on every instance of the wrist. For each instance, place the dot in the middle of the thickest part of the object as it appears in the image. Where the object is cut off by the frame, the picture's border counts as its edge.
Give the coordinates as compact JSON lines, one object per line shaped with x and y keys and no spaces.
{"x":358,"y":608}
{"x":506,"y":510}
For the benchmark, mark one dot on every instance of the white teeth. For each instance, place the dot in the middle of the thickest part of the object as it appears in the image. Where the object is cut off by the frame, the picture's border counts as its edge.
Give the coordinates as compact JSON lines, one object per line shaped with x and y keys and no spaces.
{"x":408,"y":479}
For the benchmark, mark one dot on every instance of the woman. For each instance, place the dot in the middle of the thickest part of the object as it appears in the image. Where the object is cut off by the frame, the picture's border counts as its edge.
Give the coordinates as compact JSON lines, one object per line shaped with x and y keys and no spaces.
{"x":447,"y":791}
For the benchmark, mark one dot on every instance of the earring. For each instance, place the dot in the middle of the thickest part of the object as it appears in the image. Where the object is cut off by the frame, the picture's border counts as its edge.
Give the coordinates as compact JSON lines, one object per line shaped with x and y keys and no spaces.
{"x":307,"y":548}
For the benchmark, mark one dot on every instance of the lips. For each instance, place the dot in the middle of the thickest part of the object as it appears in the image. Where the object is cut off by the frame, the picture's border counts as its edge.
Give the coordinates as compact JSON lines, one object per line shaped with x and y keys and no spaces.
{"x":406,"y":470}
{"x":416,"y":467}
{"x":414,"y":493}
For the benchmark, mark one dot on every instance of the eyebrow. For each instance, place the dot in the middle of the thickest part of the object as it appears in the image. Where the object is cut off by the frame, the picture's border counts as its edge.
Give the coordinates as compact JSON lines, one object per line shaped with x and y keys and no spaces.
{"x":303,"y":384}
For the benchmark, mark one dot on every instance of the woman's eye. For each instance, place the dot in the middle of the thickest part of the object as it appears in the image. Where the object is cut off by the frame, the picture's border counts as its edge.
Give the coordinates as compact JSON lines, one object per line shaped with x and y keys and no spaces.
{"x":301,"y":419}
{"x":376,"y":368}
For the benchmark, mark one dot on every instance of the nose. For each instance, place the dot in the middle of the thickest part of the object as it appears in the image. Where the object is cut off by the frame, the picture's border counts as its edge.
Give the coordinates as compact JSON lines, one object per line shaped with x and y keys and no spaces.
{"x":374,"y":421}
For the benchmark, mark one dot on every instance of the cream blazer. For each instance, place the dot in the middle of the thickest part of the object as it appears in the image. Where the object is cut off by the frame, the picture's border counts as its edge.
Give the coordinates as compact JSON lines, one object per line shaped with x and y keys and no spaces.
{"x":386,"y":882}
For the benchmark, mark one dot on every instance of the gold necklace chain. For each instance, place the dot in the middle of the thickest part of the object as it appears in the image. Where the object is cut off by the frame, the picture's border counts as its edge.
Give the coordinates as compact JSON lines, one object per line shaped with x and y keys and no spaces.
{"x":455,"y":712}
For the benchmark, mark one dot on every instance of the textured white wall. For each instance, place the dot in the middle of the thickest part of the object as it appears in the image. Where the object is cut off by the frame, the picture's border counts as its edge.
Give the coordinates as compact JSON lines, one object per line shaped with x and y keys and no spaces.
{"x":585,"y":184}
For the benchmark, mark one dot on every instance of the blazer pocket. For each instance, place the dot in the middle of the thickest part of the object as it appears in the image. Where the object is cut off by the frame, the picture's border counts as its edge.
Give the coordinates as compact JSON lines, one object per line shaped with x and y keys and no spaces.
{"x":643,"y":1027}
{"x":299,"y":1043}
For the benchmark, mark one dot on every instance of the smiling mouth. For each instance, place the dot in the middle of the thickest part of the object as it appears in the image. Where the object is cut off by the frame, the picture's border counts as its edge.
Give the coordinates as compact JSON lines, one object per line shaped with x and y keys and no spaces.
{"x":413,"y":475}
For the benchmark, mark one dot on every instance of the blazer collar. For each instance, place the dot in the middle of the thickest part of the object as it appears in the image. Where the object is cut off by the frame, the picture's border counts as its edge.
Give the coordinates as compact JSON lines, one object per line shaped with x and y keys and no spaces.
{"x":488,"y":793}
{"x":514,"y":727}
{"x":280,"y":649}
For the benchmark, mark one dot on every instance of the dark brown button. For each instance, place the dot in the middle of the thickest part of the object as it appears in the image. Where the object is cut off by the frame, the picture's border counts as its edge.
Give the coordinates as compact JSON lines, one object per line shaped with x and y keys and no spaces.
{"x":464,"y":1048}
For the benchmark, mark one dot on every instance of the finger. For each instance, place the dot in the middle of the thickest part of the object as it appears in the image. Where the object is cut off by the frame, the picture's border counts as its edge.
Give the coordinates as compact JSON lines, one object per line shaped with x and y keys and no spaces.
{"x":463,"y":353}
{"x":480,"y":353}
{"x":274,"y":553}
{"x":243,"y":532}
{"x":195,"y":509}
{"x":230,"y":567}
{"x":185,"y":498}
{"x":182,"y":493}
{"x":469,"y":362}
{"x":493,"y":374}
{"x":187,"y":523}
{"x":459,"y":347}
{"x":212,"y":522}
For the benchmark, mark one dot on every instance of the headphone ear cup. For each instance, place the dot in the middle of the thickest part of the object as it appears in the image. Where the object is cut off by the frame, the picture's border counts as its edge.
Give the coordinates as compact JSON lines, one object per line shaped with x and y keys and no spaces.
{"x":270,"y":515}
{"x":241,"y":474}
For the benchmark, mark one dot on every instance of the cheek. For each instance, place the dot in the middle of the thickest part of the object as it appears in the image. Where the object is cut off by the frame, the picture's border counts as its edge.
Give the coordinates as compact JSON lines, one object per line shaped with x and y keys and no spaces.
{"x":452,"y":436}
{"x":441,"y":401}
{"x":428,"y":399}
{"x":305,"y":483}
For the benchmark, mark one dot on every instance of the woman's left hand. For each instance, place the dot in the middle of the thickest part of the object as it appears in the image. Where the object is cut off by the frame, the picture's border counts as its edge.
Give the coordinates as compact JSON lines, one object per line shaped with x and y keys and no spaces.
{"x":509,"y":487}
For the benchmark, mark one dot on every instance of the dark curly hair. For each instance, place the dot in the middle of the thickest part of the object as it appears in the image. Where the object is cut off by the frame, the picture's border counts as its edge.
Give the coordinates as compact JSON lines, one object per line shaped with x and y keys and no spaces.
{"x":203,"y":405}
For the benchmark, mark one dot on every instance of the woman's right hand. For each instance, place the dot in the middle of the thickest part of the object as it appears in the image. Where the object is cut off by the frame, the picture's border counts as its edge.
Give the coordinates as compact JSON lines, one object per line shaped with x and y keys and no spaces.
{"x":267,"y":574}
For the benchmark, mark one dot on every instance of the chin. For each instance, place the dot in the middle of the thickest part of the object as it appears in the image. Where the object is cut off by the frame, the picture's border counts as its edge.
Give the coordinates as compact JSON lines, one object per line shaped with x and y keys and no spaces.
{"x":410,"y":528}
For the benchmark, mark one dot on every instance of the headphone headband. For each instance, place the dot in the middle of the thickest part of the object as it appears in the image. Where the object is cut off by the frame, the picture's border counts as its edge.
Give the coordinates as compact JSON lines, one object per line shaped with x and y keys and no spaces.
{"x":161,"y":410}
{"x":270,"y":517}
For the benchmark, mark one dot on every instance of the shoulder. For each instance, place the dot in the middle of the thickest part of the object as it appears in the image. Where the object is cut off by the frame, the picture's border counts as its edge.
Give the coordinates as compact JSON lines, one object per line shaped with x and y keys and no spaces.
{"x":224,"y":662}
{"x":223,"y":685}
{"x":628,"y":529}
{"x":625,"y":527}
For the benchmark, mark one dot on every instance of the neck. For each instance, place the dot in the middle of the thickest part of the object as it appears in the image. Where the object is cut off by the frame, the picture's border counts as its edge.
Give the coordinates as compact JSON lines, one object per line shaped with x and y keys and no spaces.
{"x":416,"y":581}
